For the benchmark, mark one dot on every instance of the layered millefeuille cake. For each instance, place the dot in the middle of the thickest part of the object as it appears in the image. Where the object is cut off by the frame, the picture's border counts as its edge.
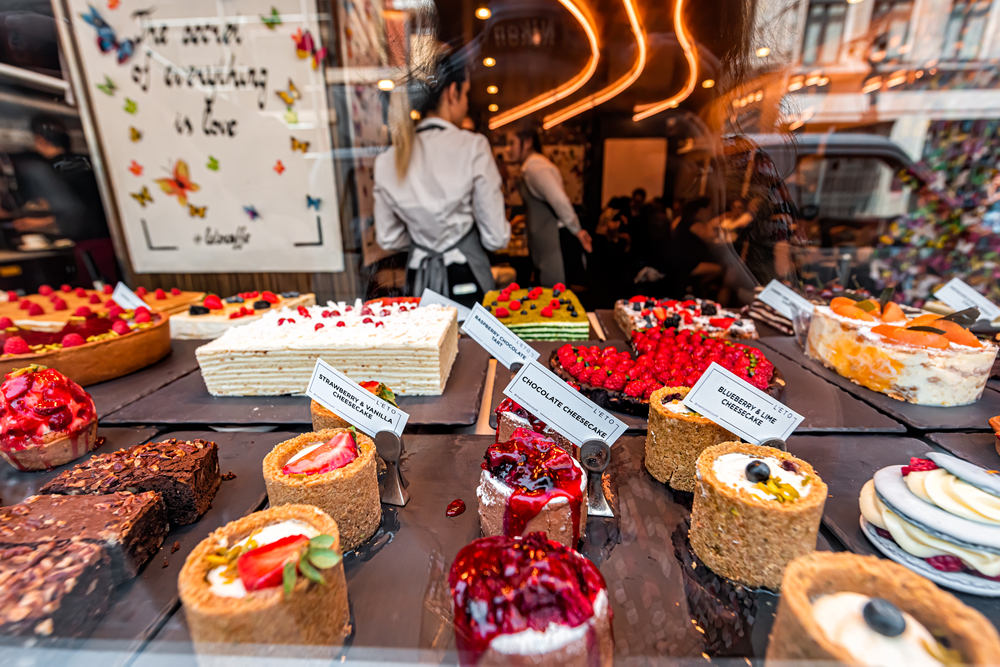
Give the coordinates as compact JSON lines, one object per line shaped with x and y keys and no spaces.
{"x":409,"y":348}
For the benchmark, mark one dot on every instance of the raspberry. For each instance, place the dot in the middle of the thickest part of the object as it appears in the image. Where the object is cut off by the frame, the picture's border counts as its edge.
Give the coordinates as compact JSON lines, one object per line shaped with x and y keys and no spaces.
{"x":559,"y":286}
{"x":45,"y":290}
{"x":35,"y":309}
{"x":6,"y":323}
{"x":159,"y":294}
{"x":108,"y":289}
{"x":115,"y":311}
{"x":616,"y":381}
{"x":94,"y":299}
{"x":59,"y":304}
{"x":120,"y":327}
{"x":72,"y":340}
{"x":504,"y":297}
{"x":946,"y":563}
{"x":918,"y":465}
{"x":15,"y":345}
{"x":513,"y":287}
{"x":547,"y":311}
{"x":175,"y":291}
{"x":554,"y":303}
{"x":82,"y":311}
{"x":139,"y":291}
{"x":24,"y":305}
{"x":515,"y":305}
{"x":502,"y":312}
{"x":634,"y":388}
{"x":66,"y":288}
{"x":212,"y":302}
{"x":142,"y":316}
{"x":576,"y":369}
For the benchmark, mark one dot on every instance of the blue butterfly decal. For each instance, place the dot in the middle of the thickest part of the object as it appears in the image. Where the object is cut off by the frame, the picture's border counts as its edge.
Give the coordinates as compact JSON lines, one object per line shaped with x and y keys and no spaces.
{"x":312,"y":202}
{"x":107,"y":40}
{"x":251,"y":211}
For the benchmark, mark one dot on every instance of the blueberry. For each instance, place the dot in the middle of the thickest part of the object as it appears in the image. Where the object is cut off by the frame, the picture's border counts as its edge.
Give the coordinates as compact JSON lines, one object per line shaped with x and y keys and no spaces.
{"x":493,"y":303}
{"x":533,"y":306}
{"x":884,"y":618}
{"x":261,"y":305}
{"x":757,"y":471}
{"x":556,"y":293}
{"x":234,"y":299}
{"x":636,"y":306}
{"x":524,"y":312}
{"x":289,"y":295}
{"x":573,"y":314}
{"x":709,"y":309}
{"x":198,"y":310}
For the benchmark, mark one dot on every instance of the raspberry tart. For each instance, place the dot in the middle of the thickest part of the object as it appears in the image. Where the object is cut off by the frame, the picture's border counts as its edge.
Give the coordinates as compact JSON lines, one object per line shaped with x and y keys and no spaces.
{"x":273,"y":577}
{"x":334,"y":470}
{"x":530,"y":484}
{"x":642,"y":313}
{"x":529,"y":601}
{"x":539,"y":313}
{"x":46,"y":419}
{"x":210,"y":317}
{"x":324,"y":419}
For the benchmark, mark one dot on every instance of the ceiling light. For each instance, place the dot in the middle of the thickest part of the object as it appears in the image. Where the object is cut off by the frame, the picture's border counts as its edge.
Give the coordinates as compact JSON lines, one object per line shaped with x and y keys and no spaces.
{"x":489,"y":62}
{"x":763,"y":52}
{"x":708,"y":83}
{"x":494,"y":107}
{"x":483,"y":13}
{"x":415,"y":115}
{"x":758,"y":96}
{"x":386,"y":84}
{"x":492,"y":90}
{"x":823,"y":81}
{"x":643,"y":111}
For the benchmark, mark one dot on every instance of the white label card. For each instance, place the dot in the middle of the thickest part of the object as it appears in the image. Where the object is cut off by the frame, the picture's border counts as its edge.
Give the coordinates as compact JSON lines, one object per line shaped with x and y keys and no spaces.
{"x":430,"y":296}
{"x":347,"y":399}
{"x":570,"y":413}
{"x":958,"y":295}
{"x":497,"y":339}
{"x":784,"y":299}
{"x":126,"y":298}
{"x":741,"y":408}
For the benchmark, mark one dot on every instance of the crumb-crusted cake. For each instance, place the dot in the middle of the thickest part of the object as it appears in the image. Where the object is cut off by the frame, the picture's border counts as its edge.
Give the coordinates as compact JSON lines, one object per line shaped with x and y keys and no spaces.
{"x":676,"y":438}
{"x":334,"y":470}
{"x":928,"y":360}
{"x":410,"y":349}
{"x":755,"y":509}
{"x":529,"y":484}
{"x":539,"y":313}
{"x":324,"y":419}
{"x":273,"y":577}
{"x":940,"y":516}
{"x":641,"y":313}
{"x":213,"y":316}
{"x":860,"y":610}
{"x":529,"y":601}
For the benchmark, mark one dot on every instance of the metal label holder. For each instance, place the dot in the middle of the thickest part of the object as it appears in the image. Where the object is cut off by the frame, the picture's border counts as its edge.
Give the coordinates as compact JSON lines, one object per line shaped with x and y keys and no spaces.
{"x":595,"y":455}
{"x":390,"y":447}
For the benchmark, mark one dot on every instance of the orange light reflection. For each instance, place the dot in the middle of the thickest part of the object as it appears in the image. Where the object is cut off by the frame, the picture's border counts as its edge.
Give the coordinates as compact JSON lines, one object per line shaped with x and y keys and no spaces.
{"x":647,"y":110}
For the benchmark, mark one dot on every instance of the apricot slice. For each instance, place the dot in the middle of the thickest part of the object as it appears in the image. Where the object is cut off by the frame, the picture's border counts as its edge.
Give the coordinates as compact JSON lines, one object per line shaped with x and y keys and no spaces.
{"x":852,"y":311}
{"x":910,"y":337}
{"x":893,"y":313}
{"x":956,"y":333}
{"x":924,"y":320}
{"x":842,"y":301}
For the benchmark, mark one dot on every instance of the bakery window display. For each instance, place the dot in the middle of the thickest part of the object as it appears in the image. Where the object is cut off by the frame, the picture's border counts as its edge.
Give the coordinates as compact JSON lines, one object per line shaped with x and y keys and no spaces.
{"x":928,"y":360}
{"x":212,"y":316}
{"x":862,"y":610}
{"x":539,"y":313}
{"x":642,"y":313}
{"x":529,"y":601}
{"x":46,"y":419}
{"x":530,"y":484}
{"x":171,"y":301}
{"x":273,"y":577}
{"x":676,"y":438}
{"x":323,"y":418}
{"x":411,"y":349}
{"x":512,"y":416}
{"x":334,"y":470}
{"x":939,"y":516}
{"x":755,"y":509}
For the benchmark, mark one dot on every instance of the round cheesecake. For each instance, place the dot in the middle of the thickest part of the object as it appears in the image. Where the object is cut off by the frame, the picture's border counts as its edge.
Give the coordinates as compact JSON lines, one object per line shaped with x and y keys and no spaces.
{"x":322,"y":418}
{"x":529,"y":601}
{"x":862,"y":610}
{"x":333,"y":470}
{"x":234,"y":589}
{"x":530,"y":484}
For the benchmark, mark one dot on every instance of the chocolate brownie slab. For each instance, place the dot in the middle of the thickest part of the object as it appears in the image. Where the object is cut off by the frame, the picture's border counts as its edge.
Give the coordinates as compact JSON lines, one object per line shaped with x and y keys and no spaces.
{"x":54,"y":589}
{"x":130,"y":526}
{"x":186,"y":474}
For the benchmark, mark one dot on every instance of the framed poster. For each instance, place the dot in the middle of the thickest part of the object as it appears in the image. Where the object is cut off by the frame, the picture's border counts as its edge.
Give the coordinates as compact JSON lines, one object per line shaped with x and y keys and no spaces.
{"x":213,"y":124}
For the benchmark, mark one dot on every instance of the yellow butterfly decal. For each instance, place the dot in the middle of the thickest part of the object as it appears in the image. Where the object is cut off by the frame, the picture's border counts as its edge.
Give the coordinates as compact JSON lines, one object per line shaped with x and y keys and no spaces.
{"x":142,"y":196}
{"x":291,"y":95}
{"x":195,"y":211}
{"x":135,"y":134}
{"x":299,"y":145}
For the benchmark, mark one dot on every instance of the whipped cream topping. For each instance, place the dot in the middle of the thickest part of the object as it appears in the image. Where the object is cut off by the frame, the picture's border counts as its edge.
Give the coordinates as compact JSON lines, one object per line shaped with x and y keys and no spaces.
{"x":402,"y":324}
{"x":939,"y":487}
{"x":553,"y":638}
{"x":864,"y":329}
{"x":841,"y":617}
{"x":305,"y":450}
{"x":731,"y":470}
{"x":219,"y":585}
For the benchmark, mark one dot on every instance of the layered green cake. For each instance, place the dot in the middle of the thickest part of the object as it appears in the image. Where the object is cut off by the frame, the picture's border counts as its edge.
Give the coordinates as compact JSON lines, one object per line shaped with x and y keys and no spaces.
{"x":540,"y":313}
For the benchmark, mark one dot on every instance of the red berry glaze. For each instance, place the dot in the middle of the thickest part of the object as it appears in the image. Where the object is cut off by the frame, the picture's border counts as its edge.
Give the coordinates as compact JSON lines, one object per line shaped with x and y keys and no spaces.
{"x":37,"y":401}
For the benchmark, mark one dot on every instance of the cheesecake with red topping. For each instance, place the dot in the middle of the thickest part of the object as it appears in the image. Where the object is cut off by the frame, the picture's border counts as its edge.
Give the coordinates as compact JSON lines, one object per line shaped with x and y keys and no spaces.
{"x":46,"y":419}
{"x":529,"y":601}
{"x":641,"y":313}
{"x":212,"y":316}
{"x":512,"y":416}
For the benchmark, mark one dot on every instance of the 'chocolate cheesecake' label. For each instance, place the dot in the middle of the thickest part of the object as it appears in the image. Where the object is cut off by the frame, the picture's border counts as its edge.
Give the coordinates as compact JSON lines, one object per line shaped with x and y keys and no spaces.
{"x":497,"y":339}
{"x":126,"y":298}
{"x":430,"y":296}
{"x":350,"y":401}
{"x":958,"y":295}
{"x":740,"y":408}
{"x":574,"y":416}
{"x":784,"y":299}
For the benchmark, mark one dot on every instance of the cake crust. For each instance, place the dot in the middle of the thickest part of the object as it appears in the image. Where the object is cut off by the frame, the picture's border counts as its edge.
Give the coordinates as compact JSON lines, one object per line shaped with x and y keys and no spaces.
{"x":53,"y":449}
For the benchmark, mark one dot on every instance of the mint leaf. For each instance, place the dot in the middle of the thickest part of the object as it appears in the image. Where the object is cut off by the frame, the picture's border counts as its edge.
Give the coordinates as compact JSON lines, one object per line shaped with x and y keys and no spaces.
{"x":288,"y":577}
{"x":321,"y":542}
{"x":324,"y":559}
{"x":310,"y":572}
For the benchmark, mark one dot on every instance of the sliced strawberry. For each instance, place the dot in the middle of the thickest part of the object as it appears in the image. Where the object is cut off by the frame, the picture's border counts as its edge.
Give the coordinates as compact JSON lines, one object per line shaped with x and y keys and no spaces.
{"x":721,"y":322}
{"x":660,"y":313}
{"x":73,"y":340}
{"x":95,"y":299}
{"x":269,"y":297}
{"x":263,"y":567}
{"x":337,"y":453}
{"x":159,"y":294}
{"x":15,"y":345}
{"x":35,"y":309}
{"x":212,"y":302}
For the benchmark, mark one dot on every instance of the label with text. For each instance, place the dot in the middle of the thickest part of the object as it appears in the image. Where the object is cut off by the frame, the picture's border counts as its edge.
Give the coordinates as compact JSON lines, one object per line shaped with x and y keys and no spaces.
{"x":495,"y":338}
{"x":126,"y":298}
{"x":958,"y":295}
{"x":352,"y":402}
{"x":741,"y":408}
{"x":570,"y":413}
{"x":784,"y":299}
{"x":430,"y":296}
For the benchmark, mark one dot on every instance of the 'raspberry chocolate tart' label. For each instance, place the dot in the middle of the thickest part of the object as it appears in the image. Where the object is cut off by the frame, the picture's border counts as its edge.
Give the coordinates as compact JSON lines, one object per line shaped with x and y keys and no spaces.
{"x":784,"y":299}
{"x":342,"y":396}
{"x":497,"y":339}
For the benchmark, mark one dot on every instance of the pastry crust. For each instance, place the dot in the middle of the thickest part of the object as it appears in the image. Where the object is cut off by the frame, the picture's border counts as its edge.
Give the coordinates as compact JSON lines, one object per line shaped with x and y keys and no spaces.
{"x":323,"y":419}
{"x":555,"y":519}
{"x":311,"y":615}
{"x":674,"y":441}
{"x":349,"y":494}
{"x":54,"y":449}
{"x":796,"y":635}
{"x":744,"y":538}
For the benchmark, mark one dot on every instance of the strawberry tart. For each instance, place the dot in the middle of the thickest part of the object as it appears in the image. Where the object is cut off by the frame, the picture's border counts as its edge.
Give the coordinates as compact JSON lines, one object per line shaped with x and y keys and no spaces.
{"x":212,"y":316}
{"x":323,"y":418}
{"x":928,"y":360}
{"x":273,"y":577}
{"x":539,"y":313}
{"x":529,"y":601}
{"x":529,"y":484}
{"x":333,"y":470}
{"x":46,"y":419}
{"x":642,"y":313}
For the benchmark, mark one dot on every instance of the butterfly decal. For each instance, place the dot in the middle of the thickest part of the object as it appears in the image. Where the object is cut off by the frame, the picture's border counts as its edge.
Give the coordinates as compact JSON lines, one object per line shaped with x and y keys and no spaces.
{"x":213,"y":164}
{"x":291,"y":95}
{"x":108,"y":87}
{"x":279,"y":167}
{"x":272,"y":21}
{"x":195,"y":211}
{"x":305,"y":47}
{"x":251,"y":211}
{"x":142,"y":196}
{"x":300,"y":145}
{"x":312,"y":202}
{"x":130,"y":106}
{"x":107,"y":40}
{"x":180,"y":185}
{"x":135,"y":168}
{"x":134,"y":134}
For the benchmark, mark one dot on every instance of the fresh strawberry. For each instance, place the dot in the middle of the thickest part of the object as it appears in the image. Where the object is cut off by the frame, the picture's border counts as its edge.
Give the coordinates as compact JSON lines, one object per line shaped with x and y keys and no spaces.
{"x":141,"y":291}
{"x":212,"y":302}
{"x":515,"y":305}
{"x":15,"y":345}
{"x":108,"y":289}
{"x":66,"y":288}
{"x":142,"y":317}
{"x":270,"y":297}
{"x":660,"y":313}
{"x":72,"y":340}
{"x":59,"y":304}
{"x":95,"y":299}
{"x":547,"y":311}
{"x":159,"y":294}
{"x":513,"y":287}
{"x":121,"y":327}
{"x":264,"y":566}
{"x":45,"y":290}
{"x":175,"y":291}
{"x":721,"y":322}
{"x":37,"y":400}
{"x":35,"y":309}
{"x":6,"y":323}
{"x":918,"y":465}
{"x":333,"y":455}
{"x":115,"y":311}
{"x":502,"y":312}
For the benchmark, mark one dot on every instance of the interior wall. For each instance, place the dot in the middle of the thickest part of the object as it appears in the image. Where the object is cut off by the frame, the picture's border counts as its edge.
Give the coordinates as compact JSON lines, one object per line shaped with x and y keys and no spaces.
{"x":633,"y":163}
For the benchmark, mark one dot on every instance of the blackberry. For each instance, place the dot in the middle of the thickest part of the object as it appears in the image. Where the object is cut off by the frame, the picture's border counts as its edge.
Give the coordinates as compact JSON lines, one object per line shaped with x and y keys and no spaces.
{"x":709,"y":309}
{"x":261,"y":305}
{"x":198,"y":310}
{"x":672,"y":321}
